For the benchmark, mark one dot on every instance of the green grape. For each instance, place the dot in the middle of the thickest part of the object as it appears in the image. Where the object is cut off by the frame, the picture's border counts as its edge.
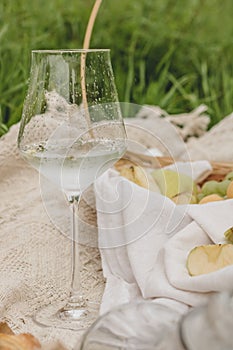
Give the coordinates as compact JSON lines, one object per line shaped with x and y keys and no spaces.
{"x":222,"y":187}
{"x":200,"y":196}
{"x":229,"y":176}
{"x":210,"y":187}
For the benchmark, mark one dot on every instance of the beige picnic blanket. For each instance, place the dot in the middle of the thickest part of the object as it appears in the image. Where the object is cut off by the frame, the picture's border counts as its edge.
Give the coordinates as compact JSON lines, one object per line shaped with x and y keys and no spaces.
{"x":35,"y":247}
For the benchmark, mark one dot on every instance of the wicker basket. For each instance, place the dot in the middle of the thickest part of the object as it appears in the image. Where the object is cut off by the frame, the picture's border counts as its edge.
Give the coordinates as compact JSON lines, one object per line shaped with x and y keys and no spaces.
{"x":87,"y":213}
{"x":219,"y":170}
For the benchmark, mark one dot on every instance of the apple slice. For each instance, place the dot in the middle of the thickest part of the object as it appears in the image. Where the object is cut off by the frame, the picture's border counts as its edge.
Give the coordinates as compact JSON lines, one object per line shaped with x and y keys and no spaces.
{"x":172,"y":183}
{"x":140,"y":176}
{"x":209,"y":258}
{"x":229,"y":234}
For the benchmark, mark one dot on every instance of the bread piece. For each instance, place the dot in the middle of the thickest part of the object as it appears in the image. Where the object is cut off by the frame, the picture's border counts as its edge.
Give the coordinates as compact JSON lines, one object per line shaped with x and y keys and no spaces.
{"x":53,"y":346}
{"x":18,"y":342}
{"x":4,"y":328}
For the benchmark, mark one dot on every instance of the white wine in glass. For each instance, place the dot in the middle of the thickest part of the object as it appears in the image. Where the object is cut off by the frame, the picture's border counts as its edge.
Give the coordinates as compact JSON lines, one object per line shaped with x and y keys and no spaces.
{"x":71,"y":131}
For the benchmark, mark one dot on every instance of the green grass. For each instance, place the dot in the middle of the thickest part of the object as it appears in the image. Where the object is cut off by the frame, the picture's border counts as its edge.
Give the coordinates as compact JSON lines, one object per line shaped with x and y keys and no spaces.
{"x":175,"y":54}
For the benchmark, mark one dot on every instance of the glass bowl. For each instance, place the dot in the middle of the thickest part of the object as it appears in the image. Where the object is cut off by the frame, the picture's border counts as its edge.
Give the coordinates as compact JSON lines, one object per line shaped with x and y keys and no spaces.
{"x":140,"y":325}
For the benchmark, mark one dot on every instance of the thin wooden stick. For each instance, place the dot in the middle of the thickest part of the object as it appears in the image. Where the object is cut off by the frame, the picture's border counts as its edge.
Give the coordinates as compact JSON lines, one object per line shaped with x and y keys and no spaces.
{"x":86,"y":45}
{"x":90,"y":24}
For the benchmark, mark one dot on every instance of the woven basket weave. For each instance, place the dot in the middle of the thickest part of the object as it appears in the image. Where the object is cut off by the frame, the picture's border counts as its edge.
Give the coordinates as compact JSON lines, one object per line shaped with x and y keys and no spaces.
{"x":219,"y":169}
{"x":88,"y":216}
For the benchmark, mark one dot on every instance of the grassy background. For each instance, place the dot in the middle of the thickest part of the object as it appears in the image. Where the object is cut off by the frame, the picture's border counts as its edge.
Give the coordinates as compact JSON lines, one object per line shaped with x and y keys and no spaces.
{"x":175,"y":54}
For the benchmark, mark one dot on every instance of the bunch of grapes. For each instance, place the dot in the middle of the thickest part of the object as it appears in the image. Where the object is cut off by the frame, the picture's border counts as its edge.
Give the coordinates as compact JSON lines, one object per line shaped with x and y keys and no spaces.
{"x":215,"y":191}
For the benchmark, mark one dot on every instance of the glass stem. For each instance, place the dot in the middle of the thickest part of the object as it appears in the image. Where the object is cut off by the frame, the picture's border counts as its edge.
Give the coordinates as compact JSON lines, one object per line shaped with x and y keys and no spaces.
{"x":76,"y":299}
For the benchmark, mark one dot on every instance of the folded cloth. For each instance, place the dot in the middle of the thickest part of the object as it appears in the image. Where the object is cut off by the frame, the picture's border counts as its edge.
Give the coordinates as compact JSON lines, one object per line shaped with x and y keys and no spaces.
{"x":145,"y":239}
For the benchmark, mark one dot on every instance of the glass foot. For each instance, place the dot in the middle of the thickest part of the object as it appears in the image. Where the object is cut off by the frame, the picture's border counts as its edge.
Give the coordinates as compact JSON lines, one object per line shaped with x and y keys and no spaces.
{"x":72,"y":314}
{"x":67,"y":317}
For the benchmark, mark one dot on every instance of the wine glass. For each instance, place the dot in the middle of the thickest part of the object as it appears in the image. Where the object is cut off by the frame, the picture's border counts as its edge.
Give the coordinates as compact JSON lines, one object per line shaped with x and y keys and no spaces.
{"x":71,"y":131}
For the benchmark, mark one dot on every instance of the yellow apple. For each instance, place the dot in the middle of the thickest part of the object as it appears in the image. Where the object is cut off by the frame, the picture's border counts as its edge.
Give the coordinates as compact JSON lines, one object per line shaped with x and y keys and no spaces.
{"x":140,"y":176}
{"x":172,"y":183}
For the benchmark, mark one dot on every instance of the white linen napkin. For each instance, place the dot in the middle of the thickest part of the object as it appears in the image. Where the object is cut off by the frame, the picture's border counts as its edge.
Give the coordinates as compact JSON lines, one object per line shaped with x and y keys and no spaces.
{"x":145,"y":239}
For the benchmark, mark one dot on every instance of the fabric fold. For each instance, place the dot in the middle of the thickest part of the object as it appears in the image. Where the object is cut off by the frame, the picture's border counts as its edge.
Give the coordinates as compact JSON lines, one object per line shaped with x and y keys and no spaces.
{"x":145,"y":240}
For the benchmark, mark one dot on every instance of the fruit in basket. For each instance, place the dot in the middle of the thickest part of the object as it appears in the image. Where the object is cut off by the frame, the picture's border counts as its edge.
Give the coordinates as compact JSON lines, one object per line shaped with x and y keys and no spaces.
{"x":222,"y":187}
{"x":230,"y":190}
{"x":140,"y":176}
{"x":185,"y":198}
{"x":209,"y":258}
{"x":172,"y":183}
{"x":211,"y":198}
{"x":215,"y":187}
{"x":209,"y":187}
{"x":200,"y":196}
{"x":229,"y":234}
{"x":229,"y":176}
{"x":214,"y":191}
